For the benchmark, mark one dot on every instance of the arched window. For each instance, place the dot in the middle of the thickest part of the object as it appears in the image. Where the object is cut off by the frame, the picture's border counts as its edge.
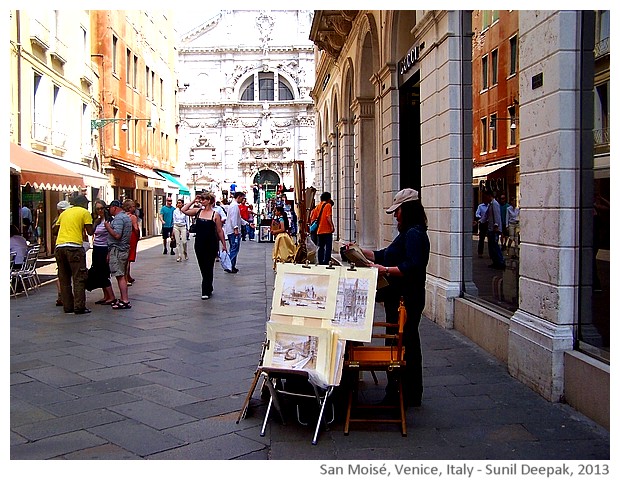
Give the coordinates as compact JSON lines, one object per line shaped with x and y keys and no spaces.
{"x":248,"y":93}
{"x":284,"y":93}
{"x":267,"y":89}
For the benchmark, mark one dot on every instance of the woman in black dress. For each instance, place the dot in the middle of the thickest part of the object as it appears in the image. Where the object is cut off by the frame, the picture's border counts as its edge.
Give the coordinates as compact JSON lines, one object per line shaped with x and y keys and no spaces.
{"x":208,"y":232}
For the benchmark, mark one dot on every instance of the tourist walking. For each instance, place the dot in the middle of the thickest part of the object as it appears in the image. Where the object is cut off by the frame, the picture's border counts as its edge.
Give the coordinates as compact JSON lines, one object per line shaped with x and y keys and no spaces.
{"x":208,"y":225}
{"x":165,"y":217}
{"x":180,"y":227}
{"x":232,"y":229}
{"x":325,"y":232}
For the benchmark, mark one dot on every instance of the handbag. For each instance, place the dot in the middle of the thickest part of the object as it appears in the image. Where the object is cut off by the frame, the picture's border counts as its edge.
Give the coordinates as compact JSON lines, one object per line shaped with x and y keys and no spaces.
{"x":192,"y":226}
{"x":225,"y":261}
{"x":314,"y":226}
{"x":173,"y":242}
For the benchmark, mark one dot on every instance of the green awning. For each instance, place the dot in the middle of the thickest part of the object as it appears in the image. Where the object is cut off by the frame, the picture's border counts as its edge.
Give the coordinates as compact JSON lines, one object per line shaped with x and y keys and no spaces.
{"x":183,"y":190}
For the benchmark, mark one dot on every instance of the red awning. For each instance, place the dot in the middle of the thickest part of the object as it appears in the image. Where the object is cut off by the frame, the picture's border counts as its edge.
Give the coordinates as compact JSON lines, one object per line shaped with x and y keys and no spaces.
{"x":42,"y":173}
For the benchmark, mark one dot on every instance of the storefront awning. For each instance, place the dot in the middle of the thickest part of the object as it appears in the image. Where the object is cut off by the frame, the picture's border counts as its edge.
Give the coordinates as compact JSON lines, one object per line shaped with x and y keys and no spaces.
{"x":42,"y":173}
{"x":143,"y":172}
{"x":92,"y":177}
{"x":485,"y":170}
{"x":183,"y":190}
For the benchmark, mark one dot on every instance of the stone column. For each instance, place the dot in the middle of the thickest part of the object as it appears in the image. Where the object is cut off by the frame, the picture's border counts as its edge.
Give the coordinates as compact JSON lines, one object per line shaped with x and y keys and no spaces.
{"x":445,"y":116}
{"x":541,"y":330}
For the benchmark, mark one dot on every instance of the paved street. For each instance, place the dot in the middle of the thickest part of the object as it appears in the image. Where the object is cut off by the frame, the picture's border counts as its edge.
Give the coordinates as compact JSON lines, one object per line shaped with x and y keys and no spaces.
{"x":166,"y":380}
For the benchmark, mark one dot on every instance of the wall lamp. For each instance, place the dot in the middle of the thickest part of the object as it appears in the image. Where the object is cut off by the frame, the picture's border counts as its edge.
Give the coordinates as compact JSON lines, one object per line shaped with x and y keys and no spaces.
{"x":513,"y":125}
{"x":102,"y":122}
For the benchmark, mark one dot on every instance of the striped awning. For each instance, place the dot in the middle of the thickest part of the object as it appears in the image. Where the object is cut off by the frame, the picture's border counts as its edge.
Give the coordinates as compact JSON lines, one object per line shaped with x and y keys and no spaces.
{"x":43,"y":174}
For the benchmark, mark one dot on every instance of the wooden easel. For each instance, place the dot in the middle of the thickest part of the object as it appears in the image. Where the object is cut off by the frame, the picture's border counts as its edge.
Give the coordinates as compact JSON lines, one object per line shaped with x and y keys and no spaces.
{"x":257,"y":373}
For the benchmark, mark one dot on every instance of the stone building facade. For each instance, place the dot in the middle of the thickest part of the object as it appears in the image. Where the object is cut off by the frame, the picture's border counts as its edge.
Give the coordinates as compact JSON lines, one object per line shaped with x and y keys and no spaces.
{"x":244,"y":100}
{"x":394,"y":102}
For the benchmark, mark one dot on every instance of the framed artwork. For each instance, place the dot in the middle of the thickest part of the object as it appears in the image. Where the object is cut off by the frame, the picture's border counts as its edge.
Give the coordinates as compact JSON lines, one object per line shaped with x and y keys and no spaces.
{"x":295,"y":347}
{"x":305,"y":291}
{"x":355,"y":303}
{"x":264,"y":233}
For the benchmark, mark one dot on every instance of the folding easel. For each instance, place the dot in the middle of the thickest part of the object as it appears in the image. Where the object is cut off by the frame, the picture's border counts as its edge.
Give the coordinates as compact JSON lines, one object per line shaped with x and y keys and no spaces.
{"x":257,"y":373}
{"x":383,"y":358}
{"x":272,"y":377}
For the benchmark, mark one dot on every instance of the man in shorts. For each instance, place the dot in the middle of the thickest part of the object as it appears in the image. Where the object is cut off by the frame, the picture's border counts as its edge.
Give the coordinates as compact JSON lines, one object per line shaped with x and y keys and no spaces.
{"x":119,"y":235}
{"x":166,"y":218}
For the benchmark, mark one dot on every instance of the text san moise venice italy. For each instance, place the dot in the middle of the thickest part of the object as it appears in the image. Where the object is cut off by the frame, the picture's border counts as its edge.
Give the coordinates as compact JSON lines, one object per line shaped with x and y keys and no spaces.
{"x":453,"y":469}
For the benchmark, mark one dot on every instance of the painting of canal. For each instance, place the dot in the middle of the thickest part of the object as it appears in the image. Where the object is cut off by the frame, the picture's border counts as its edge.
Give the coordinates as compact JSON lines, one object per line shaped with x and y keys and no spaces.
{"x":308,"y":291}
{"x":295,"y":352}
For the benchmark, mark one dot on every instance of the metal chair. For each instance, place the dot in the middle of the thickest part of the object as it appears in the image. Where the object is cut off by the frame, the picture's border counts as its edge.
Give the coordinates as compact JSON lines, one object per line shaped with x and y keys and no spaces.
{"x":13,"y":255}
{"x":27,"y":274}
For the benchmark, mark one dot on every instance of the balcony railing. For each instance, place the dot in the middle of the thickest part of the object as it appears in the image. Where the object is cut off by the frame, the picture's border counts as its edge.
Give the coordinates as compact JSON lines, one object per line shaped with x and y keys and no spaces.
{"x":40,"y":132}
{"x":601,"y":137}
{"x":601,"y":48}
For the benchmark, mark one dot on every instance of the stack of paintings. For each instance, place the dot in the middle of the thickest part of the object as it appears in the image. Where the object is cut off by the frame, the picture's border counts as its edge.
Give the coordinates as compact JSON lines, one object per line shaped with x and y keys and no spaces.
{"x":315,"y":310}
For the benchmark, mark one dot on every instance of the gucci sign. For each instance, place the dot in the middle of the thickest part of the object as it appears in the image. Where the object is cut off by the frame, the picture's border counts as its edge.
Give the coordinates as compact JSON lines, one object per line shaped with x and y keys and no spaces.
{"x":412,"y":57}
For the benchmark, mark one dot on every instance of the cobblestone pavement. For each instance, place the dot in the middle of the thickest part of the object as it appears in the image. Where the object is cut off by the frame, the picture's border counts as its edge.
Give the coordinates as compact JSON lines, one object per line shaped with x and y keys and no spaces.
{"x":166,"y":380}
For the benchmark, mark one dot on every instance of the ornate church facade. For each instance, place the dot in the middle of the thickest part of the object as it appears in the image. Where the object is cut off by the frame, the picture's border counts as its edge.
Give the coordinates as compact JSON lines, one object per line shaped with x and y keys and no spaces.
{"x":245,"y":112}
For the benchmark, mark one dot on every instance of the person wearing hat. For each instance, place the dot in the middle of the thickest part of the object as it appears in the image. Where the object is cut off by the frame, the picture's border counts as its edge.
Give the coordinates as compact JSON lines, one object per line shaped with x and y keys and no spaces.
{"x":71,"y":256}
{"x":403,"y":263}
{"x":119,"y":236}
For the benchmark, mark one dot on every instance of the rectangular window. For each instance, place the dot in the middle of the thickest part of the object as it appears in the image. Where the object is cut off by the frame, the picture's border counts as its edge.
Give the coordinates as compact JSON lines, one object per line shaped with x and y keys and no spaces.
{"x":152,"y":85}
{"x":485,"y":72}
{"x":161,"y":92}
{"x":514,"y":55}
{"x":135,"y":72}
{"x":146,"y":86}
{"x":128,"y":67}
{"x":493,"y":130}
{"x":265,"y":87}
{"x":114,"y":54}
{"x":494,"y":55}
{"x":40,"y":125}
{"x":483,"y":135}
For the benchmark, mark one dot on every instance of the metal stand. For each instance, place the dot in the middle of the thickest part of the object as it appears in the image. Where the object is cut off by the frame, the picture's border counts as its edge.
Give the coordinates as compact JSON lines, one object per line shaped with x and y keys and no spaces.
{"x":272,"y":375}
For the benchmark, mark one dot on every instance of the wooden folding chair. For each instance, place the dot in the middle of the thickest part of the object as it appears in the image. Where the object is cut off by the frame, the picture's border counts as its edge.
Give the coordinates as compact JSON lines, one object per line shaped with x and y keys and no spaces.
{"x":378,"y":358}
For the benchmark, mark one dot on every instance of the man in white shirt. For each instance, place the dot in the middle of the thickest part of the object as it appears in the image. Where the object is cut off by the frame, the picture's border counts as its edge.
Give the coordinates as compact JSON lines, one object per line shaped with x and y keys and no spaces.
{"x":232,"y":229}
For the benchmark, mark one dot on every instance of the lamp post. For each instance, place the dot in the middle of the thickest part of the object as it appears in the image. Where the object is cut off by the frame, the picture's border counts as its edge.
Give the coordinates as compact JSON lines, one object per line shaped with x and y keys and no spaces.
{"x":513,"y":125}
{"x":102,"y":122}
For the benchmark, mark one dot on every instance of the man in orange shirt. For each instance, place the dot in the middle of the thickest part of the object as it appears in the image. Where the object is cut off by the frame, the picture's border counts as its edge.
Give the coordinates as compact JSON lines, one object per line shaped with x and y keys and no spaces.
{"x":325,"y":232}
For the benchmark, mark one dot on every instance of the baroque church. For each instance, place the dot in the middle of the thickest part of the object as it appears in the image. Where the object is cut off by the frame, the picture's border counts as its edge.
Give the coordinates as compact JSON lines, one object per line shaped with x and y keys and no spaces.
{"x":245,"y":110}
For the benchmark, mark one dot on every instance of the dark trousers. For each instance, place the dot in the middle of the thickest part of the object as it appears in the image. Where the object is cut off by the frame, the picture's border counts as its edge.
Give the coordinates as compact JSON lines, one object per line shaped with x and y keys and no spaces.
{"x":412,"y":377}
{"x":206,"y":262}
{"x":482,"y":234}
{"x":494,"y":250}
{"x":324,"y":251}
{"x":72,"y":275}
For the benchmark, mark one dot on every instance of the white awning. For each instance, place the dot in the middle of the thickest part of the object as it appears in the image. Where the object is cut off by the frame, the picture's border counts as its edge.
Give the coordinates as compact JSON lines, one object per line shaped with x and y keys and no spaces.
{"x":485,"y":170}
{"x":92,"y":177}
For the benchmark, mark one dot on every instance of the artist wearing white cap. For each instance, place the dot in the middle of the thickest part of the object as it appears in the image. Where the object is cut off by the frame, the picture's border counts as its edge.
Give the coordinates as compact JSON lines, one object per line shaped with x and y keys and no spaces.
{"x":404,"y":263}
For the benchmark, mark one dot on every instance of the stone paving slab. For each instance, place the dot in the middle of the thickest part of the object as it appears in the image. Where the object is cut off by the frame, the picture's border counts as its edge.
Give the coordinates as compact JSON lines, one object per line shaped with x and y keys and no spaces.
{"x":166,"y":380}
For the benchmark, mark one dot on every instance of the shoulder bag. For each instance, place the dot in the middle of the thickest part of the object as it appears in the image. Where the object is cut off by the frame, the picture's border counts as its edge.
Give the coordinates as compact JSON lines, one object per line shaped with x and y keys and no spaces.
{"x":314,"y":226}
